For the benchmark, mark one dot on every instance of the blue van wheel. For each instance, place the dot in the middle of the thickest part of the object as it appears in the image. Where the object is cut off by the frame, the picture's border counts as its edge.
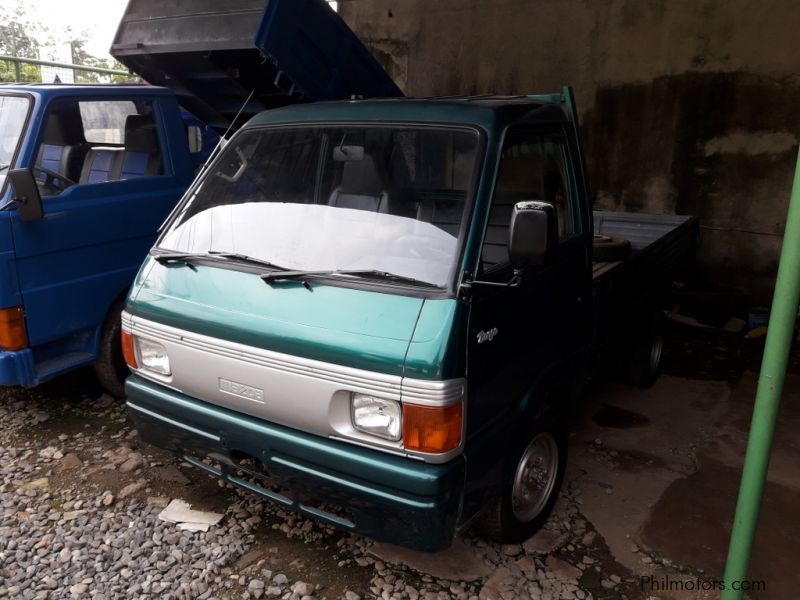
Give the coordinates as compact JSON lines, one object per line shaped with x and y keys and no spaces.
{"x":110,"y":366}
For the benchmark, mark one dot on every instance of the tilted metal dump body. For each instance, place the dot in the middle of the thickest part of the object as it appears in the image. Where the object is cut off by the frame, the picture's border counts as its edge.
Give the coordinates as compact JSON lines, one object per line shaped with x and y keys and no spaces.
{"x":213,"y":55}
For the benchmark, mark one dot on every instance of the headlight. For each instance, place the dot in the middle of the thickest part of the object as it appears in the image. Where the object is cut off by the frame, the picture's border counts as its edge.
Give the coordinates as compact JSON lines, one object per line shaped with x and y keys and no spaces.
{"x":153,"y":356}
{"x":377,"y":416}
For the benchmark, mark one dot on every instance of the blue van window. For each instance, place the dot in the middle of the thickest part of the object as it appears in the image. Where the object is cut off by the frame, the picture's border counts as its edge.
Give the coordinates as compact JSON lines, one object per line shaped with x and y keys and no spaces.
{"x":96,"y":141}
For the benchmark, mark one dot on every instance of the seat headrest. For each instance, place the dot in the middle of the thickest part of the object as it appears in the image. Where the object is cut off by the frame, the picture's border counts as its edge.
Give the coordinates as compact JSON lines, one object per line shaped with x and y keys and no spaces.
{"x":140,"y":134}
{"x":361,"y":177}
{"x":54,"y":132}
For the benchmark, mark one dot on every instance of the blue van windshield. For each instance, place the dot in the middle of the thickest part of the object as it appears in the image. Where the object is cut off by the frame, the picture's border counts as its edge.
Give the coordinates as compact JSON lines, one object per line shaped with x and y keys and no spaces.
{"x":13,"y":113}
{"x":389,"y":199}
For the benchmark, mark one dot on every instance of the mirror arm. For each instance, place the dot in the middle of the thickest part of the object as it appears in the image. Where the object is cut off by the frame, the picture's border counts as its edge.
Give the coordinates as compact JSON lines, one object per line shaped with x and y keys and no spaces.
{"x":516,"y":280}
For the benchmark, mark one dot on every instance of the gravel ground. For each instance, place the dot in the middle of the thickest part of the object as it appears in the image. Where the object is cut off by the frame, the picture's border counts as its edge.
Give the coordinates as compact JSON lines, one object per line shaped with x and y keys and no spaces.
{"x":79,"y":499}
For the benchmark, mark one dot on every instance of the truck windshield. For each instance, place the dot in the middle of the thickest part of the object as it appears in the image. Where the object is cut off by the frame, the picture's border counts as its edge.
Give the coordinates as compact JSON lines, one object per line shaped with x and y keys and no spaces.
{"x":13,"y":112}
{"x":357,"y":198}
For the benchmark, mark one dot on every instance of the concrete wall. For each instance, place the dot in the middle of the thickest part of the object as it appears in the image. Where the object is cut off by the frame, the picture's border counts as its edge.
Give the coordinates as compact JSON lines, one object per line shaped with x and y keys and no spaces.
{"x":688,"y":106}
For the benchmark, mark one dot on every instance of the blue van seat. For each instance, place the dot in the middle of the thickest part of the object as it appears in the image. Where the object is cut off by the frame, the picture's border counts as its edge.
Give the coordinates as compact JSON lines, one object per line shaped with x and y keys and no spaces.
{"x":141,"y":157}
{"x":101,"y":164}
{"x":54,"y":151}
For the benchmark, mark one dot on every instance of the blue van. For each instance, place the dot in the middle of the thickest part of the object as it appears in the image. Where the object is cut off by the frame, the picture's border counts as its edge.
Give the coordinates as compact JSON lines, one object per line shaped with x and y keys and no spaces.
{"x":103,"y":166}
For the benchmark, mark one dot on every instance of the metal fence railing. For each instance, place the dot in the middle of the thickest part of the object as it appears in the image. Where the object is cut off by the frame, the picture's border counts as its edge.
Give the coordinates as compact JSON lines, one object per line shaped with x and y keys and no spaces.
{"x":18,"y":62}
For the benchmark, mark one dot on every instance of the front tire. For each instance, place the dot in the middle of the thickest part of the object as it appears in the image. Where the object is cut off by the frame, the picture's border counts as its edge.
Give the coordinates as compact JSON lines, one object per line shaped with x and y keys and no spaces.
{"x":110,"y":367}
{"x":532,"y":480}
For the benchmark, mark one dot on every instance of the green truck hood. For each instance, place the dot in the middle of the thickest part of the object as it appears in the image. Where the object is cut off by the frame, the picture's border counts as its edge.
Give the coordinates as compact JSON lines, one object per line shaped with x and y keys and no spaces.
{"x":355,"y":328}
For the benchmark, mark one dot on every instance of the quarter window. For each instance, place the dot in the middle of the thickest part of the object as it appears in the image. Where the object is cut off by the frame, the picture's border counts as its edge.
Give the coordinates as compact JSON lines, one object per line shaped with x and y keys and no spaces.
{"x":104,"y":122}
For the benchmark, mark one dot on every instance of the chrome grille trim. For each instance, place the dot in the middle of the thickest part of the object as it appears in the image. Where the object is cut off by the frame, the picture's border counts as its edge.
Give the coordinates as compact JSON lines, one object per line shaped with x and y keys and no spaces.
{"x":434,"y":393}
{"x":385,"y":385}
{"x":394,"y":387}
{"x":304,"y":394}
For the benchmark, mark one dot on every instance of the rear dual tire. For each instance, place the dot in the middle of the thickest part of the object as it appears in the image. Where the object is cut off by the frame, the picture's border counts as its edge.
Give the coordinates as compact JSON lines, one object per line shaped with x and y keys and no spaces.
{"x":645,"y":356}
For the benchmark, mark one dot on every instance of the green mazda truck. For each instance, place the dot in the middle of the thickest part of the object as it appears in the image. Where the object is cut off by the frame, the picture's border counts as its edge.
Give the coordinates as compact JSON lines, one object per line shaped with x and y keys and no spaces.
{"x":378,"y":313}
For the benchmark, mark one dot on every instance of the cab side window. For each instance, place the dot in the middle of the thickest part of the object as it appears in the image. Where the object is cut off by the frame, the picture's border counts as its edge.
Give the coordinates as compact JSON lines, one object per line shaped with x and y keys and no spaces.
{"x":90,"y":141}
{"x":532,"y":167}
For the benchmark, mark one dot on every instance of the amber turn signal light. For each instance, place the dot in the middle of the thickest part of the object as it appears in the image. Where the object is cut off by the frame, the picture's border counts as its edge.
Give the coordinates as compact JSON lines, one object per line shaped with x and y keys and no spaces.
{"x":432,"y":429}
{"x":12,"y":329}
{"x":127,"y":349}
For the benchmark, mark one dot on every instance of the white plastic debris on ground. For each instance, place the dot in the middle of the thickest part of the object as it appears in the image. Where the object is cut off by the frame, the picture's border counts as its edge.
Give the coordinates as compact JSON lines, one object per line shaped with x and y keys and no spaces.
{"x":180,"y":512}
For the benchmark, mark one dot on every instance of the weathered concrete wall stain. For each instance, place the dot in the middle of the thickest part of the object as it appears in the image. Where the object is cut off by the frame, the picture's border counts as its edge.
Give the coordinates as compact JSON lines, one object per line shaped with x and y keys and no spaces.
{"x":687,"y":106}
{"x":751,"y":143}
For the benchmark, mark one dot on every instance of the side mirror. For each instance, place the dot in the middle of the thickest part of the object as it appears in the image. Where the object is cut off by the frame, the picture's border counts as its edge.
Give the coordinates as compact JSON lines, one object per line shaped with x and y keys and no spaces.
{"x":26,"y":194}
{"x":533,"y":234}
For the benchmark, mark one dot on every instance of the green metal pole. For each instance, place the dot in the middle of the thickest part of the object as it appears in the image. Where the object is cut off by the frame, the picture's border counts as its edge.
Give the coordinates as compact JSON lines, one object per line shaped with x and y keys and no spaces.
{"x":50,"y":63}
{"x":768,"y":397}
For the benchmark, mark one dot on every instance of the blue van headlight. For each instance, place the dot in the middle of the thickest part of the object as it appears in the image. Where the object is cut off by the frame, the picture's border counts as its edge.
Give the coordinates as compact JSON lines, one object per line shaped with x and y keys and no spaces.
{"x":152,"y":356}
{"x":377,"y":416}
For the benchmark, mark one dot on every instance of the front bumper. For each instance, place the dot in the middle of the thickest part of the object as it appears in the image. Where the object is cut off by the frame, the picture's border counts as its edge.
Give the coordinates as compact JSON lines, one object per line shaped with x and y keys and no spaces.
{"x":18,"y":368}
{"x":385,"y":497}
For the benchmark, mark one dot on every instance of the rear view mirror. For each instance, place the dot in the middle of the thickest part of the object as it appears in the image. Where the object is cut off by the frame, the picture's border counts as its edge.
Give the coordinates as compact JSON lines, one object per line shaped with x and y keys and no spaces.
{"x":26,"y":194}
{"x":533,"y":234}
{"x":348,"y":153}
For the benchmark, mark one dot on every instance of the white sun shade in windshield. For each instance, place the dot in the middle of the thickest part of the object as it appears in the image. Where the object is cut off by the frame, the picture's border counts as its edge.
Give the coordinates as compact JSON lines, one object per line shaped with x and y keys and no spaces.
{"x":319,"y":237}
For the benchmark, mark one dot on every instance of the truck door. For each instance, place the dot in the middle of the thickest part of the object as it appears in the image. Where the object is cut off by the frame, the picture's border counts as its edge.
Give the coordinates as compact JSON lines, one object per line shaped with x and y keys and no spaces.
{"x":517,"y":334}
{"x":106,"y":183}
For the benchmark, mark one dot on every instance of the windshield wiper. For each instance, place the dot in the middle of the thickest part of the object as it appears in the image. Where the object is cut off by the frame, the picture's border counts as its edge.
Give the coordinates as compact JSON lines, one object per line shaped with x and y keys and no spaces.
{"x":187,"y":258}
{"x":177,"y":257}
{"x":4,"y":167}
{"x":364,"y":273}
{"x":246,"y":258}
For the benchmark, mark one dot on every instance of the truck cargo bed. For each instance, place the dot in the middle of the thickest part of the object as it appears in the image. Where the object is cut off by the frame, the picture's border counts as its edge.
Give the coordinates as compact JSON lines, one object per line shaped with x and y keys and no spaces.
{"x":660,"y":246}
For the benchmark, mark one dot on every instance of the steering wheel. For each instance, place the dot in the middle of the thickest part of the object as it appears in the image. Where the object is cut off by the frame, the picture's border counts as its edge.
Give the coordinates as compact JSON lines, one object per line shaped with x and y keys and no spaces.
{"x":55,"y":182}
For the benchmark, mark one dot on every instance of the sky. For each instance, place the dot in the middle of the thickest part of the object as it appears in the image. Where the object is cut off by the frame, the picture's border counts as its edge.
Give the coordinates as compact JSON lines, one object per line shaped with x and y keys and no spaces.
{"x":98,"y":17}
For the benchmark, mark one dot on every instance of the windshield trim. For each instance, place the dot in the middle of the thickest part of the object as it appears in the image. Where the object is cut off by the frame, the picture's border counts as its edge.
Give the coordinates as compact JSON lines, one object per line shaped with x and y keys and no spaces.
{"x":447,"y":291}
{"x":22,"y":133}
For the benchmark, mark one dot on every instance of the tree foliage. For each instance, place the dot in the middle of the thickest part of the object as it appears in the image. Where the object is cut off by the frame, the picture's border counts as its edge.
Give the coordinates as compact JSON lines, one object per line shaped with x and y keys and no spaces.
{"x":22,"y":36}
{"x":80,"y":56}
{"x":19,"y":36}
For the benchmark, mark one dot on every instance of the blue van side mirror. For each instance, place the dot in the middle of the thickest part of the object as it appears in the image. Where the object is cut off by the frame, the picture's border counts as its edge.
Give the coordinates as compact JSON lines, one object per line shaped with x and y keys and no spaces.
{"x":26,"y":194}
{"x":532,"y":234}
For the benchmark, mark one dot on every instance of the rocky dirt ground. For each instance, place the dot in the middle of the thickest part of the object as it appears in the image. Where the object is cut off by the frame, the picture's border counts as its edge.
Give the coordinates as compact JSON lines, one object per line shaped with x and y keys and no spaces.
{"x":80,"y":496}
{"x":79,"y":505}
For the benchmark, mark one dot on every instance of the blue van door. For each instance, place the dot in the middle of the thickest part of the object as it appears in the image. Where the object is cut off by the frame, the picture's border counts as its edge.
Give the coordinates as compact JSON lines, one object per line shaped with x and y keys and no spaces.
{"x":107,"y":183}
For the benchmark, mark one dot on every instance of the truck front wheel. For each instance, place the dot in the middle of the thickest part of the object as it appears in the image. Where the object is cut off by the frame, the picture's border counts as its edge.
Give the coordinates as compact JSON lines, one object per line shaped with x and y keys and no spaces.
{"x":110,"y":367}
{"x":530,"y":488}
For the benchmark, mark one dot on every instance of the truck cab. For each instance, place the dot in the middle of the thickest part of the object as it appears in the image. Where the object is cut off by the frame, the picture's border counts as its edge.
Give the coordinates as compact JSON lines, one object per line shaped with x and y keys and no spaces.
{"x":387,"y":307}
{"x":106,"y":165}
